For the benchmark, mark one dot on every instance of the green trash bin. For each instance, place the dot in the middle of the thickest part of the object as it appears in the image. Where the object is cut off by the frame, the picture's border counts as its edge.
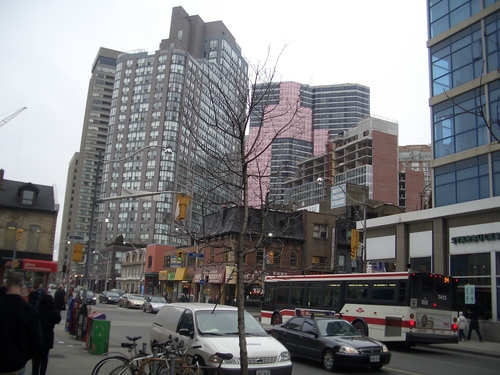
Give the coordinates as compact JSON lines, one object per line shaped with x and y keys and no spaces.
{"x":99,"y":336}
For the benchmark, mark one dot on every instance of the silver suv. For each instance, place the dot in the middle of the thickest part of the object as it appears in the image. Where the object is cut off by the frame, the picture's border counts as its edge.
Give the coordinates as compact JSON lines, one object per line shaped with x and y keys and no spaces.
{"x":211,"y":329}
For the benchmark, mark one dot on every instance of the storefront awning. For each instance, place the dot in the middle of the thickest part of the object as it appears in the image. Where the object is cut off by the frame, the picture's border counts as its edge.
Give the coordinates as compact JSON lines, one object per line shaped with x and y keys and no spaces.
{"x":180,"y":273}
{"x":39,"y":265}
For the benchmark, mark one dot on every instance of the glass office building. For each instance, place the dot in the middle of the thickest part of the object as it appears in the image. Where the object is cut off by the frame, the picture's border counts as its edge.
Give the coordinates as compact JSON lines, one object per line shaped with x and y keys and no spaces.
{"x":464,"y":52}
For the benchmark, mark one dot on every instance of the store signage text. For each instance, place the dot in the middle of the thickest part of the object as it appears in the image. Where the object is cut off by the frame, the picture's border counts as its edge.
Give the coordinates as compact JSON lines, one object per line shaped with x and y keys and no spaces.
{"x":475,"y":238}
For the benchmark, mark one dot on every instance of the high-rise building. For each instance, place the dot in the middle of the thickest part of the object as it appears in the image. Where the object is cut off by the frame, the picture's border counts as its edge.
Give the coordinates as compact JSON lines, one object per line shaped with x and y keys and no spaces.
{"x":464,"y":53}
{"x":83,"y":166}
{"x":159,"y":99}
{"x":311,"y":117}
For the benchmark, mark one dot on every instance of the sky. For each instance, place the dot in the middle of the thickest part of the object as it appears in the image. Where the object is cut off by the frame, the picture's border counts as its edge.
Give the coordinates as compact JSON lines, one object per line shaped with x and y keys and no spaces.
{"x":48,"y":48}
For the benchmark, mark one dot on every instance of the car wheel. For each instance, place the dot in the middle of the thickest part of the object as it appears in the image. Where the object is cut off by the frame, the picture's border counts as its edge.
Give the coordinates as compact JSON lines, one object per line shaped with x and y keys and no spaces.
{"x":328,"y":360}
{"x":128,"y":306}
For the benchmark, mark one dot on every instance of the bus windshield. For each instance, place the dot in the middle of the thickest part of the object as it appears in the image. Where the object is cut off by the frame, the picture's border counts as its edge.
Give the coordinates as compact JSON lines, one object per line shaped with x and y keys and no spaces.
{"x":432,"y":291}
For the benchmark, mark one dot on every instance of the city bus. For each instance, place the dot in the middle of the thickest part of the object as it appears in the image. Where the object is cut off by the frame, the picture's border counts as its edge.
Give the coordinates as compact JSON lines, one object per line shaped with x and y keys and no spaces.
{"x":410,"y":307}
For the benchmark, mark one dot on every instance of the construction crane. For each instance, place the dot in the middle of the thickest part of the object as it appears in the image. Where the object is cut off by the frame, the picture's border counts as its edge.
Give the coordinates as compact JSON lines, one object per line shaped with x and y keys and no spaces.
{"x":8,"y":118}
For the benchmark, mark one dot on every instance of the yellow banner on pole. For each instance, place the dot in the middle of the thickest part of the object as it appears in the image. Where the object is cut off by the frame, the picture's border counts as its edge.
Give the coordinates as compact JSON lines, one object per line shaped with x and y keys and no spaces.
{"x":77,"y":252}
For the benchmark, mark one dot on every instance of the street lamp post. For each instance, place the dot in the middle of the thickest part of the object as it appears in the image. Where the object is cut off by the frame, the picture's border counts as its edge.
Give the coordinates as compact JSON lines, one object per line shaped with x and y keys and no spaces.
{"x":100,"y":161}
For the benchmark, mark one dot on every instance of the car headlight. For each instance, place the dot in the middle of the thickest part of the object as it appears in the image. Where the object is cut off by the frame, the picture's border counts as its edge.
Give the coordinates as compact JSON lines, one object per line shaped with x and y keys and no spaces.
{"x":284,"y":357}
{"x":216,"y":359}
{"x":348,"y":349}
{"x":384,"y":349}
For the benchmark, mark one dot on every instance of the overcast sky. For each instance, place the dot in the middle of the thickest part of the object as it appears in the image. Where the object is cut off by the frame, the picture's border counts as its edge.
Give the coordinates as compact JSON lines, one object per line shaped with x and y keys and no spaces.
{"x":48,"y":48}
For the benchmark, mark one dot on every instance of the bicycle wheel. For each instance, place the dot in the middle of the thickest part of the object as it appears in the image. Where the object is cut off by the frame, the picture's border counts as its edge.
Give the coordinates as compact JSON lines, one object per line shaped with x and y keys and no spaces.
{"x":105,"y":366}
{"x":127,"y":369}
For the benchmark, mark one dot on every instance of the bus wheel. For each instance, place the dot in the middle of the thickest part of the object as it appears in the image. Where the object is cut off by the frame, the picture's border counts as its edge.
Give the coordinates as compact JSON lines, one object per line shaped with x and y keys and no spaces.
{"x":361,"y":327}
{"x":276,"y":319}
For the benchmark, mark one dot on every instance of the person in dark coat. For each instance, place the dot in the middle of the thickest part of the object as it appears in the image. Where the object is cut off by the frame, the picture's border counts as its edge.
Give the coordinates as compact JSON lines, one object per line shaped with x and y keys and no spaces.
{"x":49,"y":317}
{"x":474,"y":324}
{"x":59,"y":297}
{"x":20,"y":332}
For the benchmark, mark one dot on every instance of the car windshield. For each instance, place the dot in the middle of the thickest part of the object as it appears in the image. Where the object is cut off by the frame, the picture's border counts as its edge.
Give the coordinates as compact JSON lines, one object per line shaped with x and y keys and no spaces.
{"x":224,"y":322}
{"x":90,"y":294}
{"x":336,"y":328}
{"x":112,"y":294}
{"x":158,"y":299}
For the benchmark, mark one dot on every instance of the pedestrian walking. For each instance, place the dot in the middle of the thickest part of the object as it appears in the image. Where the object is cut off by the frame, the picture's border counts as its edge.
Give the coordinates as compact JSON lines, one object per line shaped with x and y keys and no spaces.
{"x":20,"y":331}
{"x":474,"y":325}
{"x":462,"y":326}
{"x":49,"y":317}
{"x":59,"y":299}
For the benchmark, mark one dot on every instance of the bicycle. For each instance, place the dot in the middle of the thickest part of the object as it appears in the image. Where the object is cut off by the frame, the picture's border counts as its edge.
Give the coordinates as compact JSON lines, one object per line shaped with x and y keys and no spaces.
{"x":106,"y":365}
{"x":154,"y":364}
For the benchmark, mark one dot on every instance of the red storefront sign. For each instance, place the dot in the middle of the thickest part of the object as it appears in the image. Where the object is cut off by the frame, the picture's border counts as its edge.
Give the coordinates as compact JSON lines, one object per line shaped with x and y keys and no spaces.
{"x":39,"y":265}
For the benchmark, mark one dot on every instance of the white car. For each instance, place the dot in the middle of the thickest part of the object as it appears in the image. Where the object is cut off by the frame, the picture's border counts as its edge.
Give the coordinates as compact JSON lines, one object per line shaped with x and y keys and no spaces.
{"x":211,"y":329}
{"x":153,"y":304}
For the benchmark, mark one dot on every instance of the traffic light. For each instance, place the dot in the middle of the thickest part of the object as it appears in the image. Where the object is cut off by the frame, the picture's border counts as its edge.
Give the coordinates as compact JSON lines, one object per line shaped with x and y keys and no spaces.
{"x":65,"y":268}
{"x":206,"y":279}
{"x":179,"y":255}
{"x":354,"y":243}
{"x":182,"y":201}
{"x":271,"y":257}
{"x":19,"y":234}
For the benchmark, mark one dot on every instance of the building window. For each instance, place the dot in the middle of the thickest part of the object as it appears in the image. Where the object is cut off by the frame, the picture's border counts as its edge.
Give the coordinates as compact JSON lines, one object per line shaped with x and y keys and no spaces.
{"x":463,"y":181}
{"x":166,"y":261}
{"x":33,"y":238}
{"x":27,"y":197}
{"x":9,"y":242}
{"x":320,"y":231}
{"x":294,"y":259}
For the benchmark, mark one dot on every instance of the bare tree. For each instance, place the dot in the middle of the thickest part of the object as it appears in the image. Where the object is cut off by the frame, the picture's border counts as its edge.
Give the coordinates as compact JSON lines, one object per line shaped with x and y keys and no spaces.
{"x":225,"y":109}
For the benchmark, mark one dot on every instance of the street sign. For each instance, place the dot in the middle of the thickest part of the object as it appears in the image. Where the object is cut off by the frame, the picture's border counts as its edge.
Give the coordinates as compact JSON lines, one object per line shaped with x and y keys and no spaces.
{"x":202,"y":282}
{"x":195,"y":255}
{"x":76,"y":238}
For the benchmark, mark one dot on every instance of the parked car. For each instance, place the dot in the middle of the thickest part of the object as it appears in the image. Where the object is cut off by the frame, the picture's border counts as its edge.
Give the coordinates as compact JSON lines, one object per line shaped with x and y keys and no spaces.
{"x":131,"y":301}
{"x":153,"y":303}
{"x":91,"y":298}
{"x":332,"y":341}
{"x":120,"y":292}
{"x":108,"y":297}
{"x":211,"y":329}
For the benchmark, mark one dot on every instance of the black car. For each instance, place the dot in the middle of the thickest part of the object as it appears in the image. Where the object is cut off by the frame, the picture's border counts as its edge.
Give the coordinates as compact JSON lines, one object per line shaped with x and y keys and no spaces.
{"x":108,"y":297}
{"x":91,"y":298}
{"x":331,"y":341}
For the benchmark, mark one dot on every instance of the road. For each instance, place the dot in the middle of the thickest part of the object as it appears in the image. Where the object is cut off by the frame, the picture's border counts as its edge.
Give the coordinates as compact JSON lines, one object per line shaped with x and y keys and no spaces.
{"x":416,"y":361}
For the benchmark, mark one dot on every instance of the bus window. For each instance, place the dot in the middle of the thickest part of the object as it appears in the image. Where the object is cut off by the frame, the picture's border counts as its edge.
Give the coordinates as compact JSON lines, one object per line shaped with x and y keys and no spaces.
{"x":282,"y":292}
{"x":357,"y":291}
{"x":331,"y":297}
{"x":402,"y":292}
{"x":384,"y":291}
{"x":313,"y":294}
{"x":269,"y":296}
{"x":296,"y":294}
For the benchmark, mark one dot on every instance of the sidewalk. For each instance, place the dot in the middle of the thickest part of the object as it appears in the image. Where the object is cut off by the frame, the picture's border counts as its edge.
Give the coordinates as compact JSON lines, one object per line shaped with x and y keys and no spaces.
{"x":70,"y":357}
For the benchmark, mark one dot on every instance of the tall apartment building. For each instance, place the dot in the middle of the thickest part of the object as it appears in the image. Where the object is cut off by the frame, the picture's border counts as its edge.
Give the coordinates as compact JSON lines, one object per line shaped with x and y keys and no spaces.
{"x":324,"y":112}
{"x":414,"y":159}
{"x":364,"y":155}
{"x":159,"y":99}
{"x":82,"y":169}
